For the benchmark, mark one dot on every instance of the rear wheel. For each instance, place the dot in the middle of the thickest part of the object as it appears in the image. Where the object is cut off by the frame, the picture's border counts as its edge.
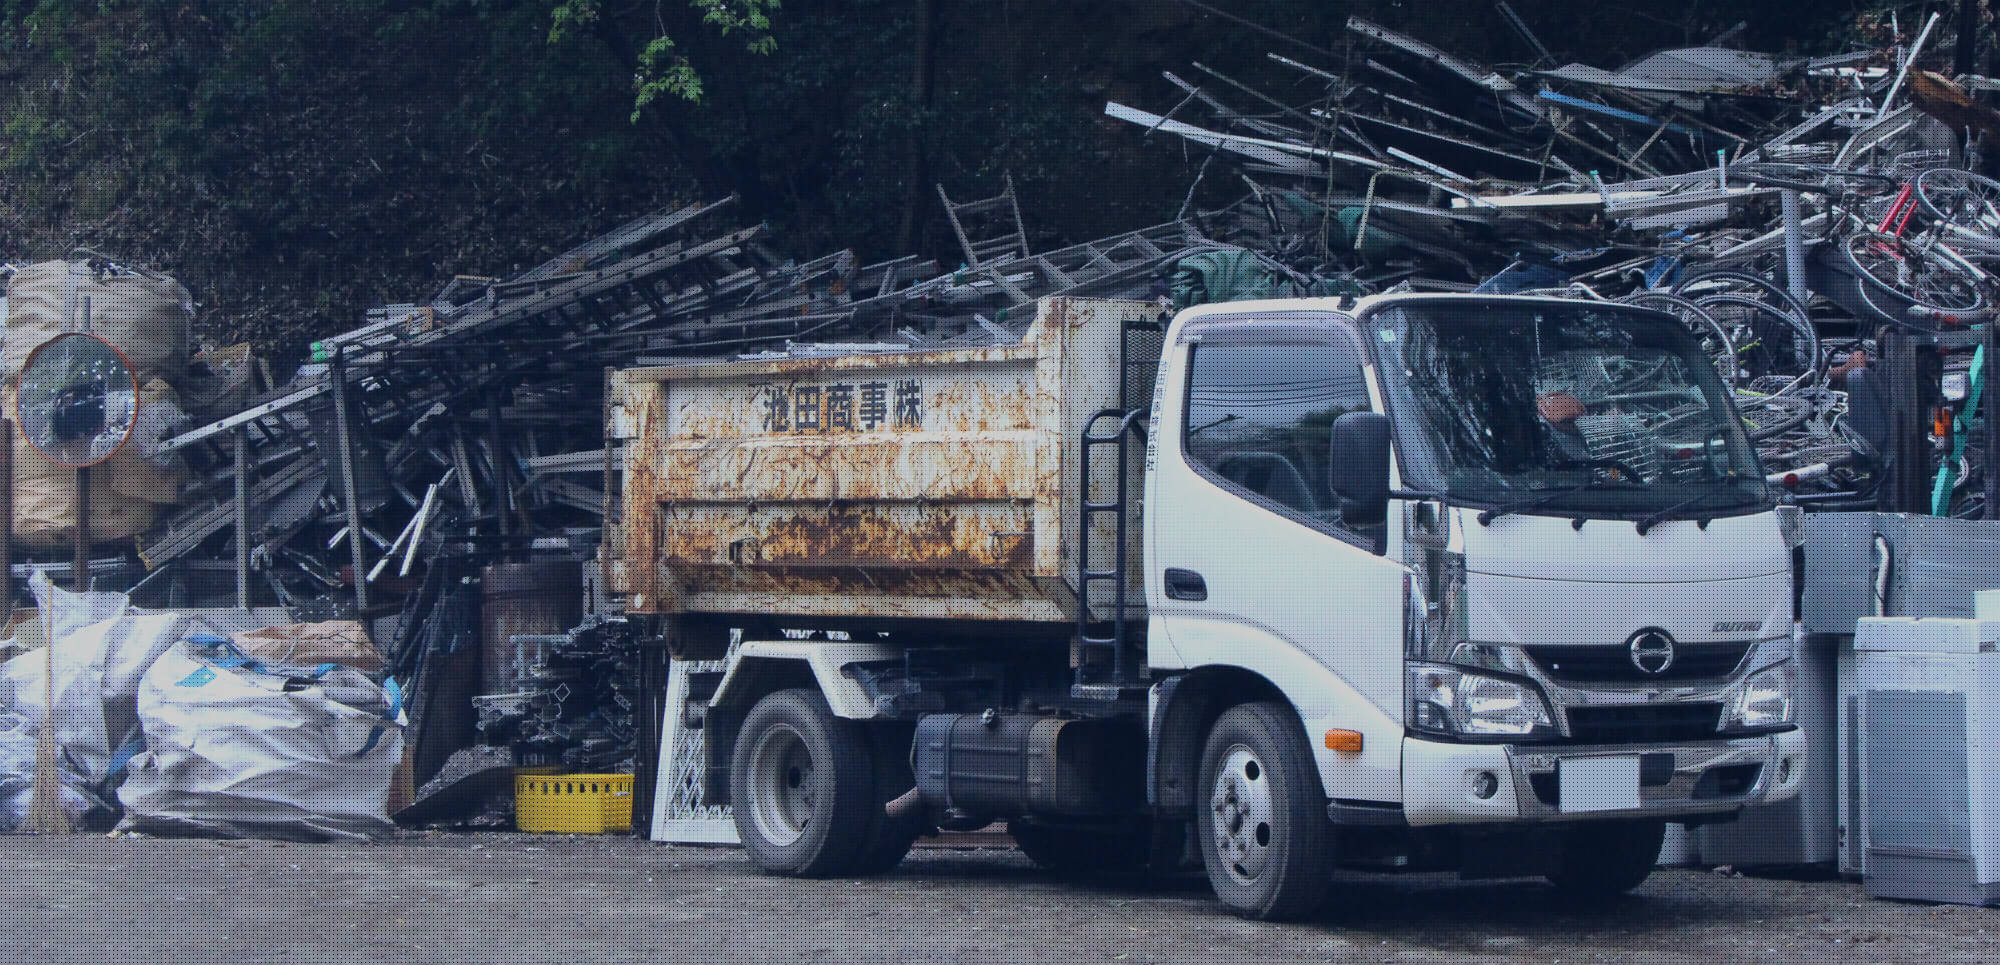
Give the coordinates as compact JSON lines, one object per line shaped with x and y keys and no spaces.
{"x":1604,"y":859}
{"x":889,"y":838}
{"x":802,"y":786}
{"x":1265,"y":837}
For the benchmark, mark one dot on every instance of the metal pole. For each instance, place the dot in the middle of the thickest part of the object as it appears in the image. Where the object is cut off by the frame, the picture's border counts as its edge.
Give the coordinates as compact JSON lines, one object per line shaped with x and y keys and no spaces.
{"x":243,"y":517}
{"x":343,"y":424}
{"x":1992,"y":401}
{"x":1795,"y":245}
{"x":1968,"y":37}
{"x":1902,"y":72}
{"x":502,"y":479}
{"x":79,"y":568}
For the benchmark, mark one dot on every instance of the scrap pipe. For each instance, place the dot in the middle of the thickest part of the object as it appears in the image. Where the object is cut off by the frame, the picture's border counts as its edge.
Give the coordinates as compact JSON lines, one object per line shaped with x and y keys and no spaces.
{"x":1795,"y":245}
{"x":1904,"y":71}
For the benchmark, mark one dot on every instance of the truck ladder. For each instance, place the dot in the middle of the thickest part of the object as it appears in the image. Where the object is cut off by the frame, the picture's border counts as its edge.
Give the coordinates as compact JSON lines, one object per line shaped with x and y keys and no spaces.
{"x":1123,"y":678}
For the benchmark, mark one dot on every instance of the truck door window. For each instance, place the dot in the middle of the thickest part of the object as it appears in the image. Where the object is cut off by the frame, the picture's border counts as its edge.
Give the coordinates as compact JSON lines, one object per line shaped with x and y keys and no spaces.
{"x":1259,"y":415}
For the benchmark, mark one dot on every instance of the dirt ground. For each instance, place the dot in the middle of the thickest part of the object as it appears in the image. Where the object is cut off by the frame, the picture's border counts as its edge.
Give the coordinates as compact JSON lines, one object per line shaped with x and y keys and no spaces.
{"x":494,"y":898}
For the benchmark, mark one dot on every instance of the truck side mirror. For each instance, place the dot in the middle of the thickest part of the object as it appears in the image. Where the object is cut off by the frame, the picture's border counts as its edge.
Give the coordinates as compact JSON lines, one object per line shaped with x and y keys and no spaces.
{"x":1358,"y":464}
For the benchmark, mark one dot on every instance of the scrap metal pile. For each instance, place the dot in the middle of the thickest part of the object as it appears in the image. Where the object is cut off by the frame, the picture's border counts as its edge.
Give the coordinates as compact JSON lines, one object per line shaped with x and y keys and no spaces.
{"x":1790,"y":210}
{"x":475,"y":417}
{"x":575,"y":708}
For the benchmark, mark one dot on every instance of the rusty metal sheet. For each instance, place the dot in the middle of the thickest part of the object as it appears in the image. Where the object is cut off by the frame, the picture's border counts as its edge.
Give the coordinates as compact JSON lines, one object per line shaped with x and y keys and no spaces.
{"x":977,"y":536}
{"x":888,"y":594}
{"x":970,"y":467}
{"x":922,"y":483}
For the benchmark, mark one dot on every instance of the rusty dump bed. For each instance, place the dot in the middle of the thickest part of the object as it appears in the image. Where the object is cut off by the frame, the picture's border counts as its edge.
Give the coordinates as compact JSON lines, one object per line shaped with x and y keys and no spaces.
{"x":935,"y":483}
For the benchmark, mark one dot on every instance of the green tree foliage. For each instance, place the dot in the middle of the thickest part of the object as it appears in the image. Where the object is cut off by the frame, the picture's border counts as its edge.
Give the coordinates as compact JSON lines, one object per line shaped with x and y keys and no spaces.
{"x":662,"y":69}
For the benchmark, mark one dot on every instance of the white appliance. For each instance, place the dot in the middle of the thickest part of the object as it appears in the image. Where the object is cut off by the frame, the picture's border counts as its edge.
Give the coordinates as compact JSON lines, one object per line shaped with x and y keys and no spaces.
{"x":1927,"y":757}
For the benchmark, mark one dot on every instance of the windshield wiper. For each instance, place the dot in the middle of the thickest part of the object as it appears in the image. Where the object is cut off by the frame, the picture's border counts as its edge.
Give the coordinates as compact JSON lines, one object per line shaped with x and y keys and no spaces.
{"x":1487,"y":517}
{"x":1654,"y":519}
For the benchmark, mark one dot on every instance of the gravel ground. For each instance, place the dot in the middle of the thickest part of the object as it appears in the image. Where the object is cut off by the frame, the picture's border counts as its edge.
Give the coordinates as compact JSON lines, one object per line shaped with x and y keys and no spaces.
{"x":503,"y":898}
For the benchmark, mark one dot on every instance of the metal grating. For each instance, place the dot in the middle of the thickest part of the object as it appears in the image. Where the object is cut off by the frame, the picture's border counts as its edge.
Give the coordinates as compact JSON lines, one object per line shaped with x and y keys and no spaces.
{"x":1644,"y":723}
{"x":681,"y":815}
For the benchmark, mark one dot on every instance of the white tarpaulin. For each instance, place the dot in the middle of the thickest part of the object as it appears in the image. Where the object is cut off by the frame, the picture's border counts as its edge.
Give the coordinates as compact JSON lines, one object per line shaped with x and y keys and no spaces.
{"x":238,"y":748}
{"x":98,"y":665}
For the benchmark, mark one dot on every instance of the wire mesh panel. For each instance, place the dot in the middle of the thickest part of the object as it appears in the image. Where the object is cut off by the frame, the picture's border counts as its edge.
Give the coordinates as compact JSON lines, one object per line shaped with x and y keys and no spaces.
{"x":681,"y":813}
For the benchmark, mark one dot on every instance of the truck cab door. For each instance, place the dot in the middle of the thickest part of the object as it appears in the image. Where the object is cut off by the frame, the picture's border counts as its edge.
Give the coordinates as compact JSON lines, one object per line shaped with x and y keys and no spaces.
{"x":1252,"y":562}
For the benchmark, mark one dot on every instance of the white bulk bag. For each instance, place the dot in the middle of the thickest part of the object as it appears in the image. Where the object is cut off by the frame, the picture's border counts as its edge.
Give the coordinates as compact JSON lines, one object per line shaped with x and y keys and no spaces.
{"x":241,"y":749}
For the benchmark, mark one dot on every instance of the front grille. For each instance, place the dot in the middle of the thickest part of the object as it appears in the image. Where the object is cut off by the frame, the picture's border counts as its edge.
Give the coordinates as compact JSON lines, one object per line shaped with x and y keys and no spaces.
{"x":1610,"y":664}
{"x":1643,"y":723}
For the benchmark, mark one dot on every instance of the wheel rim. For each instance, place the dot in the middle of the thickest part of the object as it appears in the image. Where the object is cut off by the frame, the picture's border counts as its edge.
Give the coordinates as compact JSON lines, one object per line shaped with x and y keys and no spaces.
{"x":781,"y":785}
{"x":1243,"y":820}
{"x":1961,"y":199}
{"x":1907,"y":271}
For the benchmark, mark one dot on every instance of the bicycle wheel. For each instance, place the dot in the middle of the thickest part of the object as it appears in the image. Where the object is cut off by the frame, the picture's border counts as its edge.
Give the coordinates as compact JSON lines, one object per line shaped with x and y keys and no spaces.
{"x":1961,"y":199}
{"x":1740,"y":280}
{"x":1932,"y":281}
{"x":1768,"y":340}
{"x":1714,"y":338}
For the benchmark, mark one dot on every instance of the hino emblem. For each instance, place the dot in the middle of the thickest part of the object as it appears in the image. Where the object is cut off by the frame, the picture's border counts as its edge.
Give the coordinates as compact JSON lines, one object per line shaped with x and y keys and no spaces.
{"x":1652,"y":650}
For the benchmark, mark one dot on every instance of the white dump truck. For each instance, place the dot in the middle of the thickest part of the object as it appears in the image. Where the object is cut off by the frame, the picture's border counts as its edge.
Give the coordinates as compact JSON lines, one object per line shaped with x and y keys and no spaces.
{"x":1408,"y":582}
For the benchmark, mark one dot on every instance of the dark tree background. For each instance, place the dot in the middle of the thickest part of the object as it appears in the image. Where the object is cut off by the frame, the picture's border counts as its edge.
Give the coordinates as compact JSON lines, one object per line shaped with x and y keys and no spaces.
{"x":296,"y":161}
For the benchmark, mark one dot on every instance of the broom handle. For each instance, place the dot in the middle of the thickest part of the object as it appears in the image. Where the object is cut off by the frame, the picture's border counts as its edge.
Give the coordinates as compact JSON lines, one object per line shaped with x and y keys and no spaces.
{"x":6,"y":522}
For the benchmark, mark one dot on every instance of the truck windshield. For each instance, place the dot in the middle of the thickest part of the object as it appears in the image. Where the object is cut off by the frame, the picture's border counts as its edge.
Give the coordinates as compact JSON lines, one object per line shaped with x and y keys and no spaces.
{"x":1574,"y":407}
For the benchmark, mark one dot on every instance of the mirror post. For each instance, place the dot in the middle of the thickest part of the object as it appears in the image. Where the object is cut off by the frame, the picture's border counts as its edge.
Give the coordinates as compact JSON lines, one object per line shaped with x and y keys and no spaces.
{"x":79,"y":569}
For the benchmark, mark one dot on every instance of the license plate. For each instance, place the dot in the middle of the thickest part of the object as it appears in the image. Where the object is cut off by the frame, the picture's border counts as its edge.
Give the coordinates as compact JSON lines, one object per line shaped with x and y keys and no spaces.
{"x":1598,"y":783}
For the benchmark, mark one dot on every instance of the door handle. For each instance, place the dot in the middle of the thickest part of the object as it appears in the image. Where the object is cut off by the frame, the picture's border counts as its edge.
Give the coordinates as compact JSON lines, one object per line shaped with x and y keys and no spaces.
{"x":1185,"y":585}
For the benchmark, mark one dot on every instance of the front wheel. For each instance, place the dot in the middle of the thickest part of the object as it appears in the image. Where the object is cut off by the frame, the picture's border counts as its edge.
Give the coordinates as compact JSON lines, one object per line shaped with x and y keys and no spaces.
{"x":1604,"y":859}
{"x":1265,"y":837}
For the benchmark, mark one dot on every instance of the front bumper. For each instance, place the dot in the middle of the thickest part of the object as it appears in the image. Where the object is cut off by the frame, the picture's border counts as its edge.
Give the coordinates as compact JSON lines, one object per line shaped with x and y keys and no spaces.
{"x":1440,"y":780}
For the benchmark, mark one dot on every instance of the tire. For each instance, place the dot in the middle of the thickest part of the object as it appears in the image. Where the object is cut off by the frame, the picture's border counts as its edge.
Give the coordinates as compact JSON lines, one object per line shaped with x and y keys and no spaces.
{"x":1083,"y":850}
{"x":802,"y":786}
{"x":889,"y":839}
{"x":1602,"y":860}
{"x":1265,"y":837}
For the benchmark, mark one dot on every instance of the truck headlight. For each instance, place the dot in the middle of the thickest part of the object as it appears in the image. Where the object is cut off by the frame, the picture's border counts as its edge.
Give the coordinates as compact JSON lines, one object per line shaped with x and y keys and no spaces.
{"x":1458,"y":703}
{"x":1764,"y":701}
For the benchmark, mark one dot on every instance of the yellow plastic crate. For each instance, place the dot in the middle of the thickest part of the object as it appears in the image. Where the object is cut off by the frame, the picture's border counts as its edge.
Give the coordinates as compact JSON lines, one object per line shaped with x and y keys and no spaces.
{"x":573,"y":803}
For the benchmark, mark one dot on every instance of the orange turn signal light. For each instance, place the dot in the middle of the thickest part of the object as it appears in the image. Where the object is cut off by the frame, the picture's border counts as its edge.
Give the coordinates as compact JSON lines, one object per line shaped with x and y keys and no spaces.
{"x":1344,"y":740}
